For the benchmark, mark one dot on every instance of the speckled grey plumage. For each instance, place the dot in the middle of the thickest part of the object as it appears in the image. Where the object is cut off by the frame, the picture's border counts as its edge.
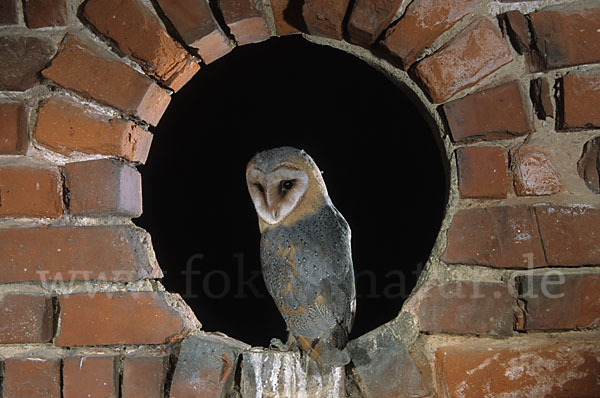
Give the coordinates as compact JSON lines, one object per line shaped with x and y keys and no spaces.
{"x":323,"y":266}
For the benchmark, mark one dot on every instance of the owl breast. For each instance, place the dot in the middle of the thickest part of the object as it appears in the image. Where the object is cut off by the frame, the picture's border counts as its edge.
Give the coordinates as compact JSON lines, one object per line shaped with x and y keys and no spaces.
{"x":307,"y":268}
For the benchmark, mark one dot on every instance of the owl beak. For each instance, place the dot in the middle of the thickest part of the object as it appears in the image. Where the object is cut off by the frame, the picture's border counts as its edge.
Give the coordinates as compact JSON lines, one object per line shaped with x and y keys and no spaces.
{"x":270,"y":197}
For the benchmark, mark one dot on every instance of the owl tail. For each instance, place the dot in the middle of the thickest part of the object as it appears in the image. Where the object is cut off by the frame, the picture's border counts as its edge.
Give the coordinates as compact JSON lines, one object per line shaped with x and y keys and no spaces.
{"x":324,"y":351}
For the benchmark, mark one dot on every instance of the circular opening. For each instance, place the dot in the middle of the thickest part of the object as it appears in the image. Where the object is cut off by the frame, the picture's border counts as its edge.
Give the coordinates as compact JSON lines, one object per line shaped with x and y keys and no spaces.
{"x":381,"y":164}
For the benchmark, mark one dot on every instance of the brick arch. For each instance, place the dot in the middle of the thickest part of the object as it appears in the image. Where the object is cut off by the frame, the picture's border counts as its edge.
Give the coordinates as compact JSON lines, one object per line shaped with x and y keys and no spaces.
{"x":512,"y":281}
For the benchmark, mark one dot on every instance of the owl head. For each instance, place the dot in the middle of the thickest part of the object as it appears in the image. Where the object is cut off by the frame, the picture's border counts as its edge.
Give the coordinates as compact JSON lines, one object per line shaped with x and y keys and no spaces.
{"x":284,"y":184}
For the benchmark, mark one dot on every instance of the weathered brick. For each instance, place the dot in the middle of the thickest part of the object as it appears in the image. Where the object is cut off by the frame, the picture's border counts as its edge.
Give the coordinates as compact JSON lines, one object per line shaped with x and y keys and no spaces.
{"x":539,"y":91}
{"x":465,"y":307}
{"x":123,"y":318}
{"x":385,"y":366}
{"x":144,"y":376}
{"x":63,"y":254}
{"x":482,"y":172}
{"x":246,"y":20}
{"x":422,"y":23}
{"x":287,"y":16}
{"x":8,"y":12}
{"x":32,"y":377}
{"x":22,"y":59}
{"x":516,"y":25}
{"x":87,"y":69}
{"x":65,"y":127}
{"x":325,"y":17}
{"x":206,"y":366}
{"x":502,"y":237}
{"x":588,"y":165}
{"x":197,"y":27}
{"x":26,"y":318}
{"x":474,"y":54}
{"x":91,"y":376}
{"x":554,"y":369}
{"x":534,"y":172}
{"x":571,"y":235}
{"x":104,"y":187}
{"x":267,"y":373}
{"x":43,"y":13}
{"x":13,"y":129}
{"x":369,"y":18}
{"x":567,"y":37}
{"x":29,"y":189}
{"x":556,"y":300}
{"x":580,"y":98}
{"x":139,"y":34}
{"x":495,"y":113}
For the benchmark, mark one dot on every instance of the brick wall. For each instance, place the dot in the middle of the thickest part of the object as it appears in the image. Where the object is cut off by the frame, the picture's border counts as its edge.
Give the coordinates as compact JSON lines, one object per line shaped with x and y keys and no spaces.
{"x":509,"y":302}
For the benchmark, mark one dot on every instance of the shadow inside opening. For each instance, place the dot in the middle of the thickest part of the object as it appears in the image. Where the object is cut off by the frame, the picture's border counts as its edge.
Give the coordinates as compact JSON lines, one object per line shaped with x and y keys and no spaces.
{"x":381,"y":164}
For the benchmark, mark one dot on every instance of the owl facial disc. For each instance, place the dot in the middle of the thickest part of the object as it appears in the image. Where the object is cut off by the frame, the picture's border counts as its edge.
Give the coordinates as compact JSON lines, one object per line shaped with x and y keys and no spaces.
{"x":277,"y":192}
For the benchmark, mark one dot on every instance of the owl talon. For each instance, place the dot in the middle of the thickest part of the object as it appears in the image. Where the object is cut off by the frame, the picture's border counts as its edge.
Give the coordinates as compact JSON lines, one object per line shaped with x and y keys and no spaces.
{"x":277,"y":344}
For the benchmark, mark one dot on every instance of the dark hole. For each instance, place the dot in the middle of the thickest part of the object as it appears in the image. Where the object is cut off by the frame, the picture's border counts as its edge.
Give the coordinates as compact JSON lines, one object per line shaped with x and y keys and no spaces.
{"x":381,"y":165}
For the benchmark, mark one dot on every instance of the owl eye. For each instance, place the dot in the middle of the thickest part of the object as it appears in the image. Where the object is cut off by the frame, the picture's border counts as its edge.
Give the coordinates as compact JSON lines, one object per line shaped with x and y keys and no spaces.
{"x":260,"y":188}
{"x":286,"y":185}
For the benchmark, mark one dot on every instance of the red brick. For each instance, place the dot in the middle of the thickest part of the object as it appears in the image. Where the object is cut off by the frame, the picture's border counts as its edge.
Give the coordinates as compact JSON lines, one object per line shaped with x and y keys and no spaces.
{"x":22,"y":59}
{"x":325,"y":17}
{"x":555,"y":369}
{"x":139,"y":34}
{"x":90,"y":376}
{"x":567,"y":37}
{"x":422,"y":23}
{"x":557,"y":300}
{"x":63,"y":254}
{"x":539,"y":91}
{"x":26,"y":318}
{"x":13,"y":129}
{"x":534,"y":172}
{"x":30,"y":190}
{"x":500,"y":237}
{"x":369,"y":18}
{"x":32,"y":377}
{"x":482,"y":172}
{"x":87,"y":69}
{"x":246,"y":20}
{"x":516,"y":25}
{"x":43,"y":13}
{"x":206,"y":366}
{"x":104,"y":187}
{"x":66,"y":127}
{"x":571,"y":235}
{"x":464,"y":307}
{"x":580,"y":98}
{"x":474,"y":54}
{"x":144,"y":376}
{"x":588,"y":165}
{"x":287,"y":15}
{"x":123,"y":318}
{"x":197,"y":26}
{"x":496,"y":113}
{"x":8,"y":12}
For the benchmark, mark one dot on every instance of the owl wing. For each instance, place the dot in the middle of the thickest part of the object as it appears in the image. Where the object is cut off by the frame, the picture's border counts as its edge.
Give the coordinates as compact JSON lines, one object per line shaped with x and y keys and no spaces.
{"x":335,"y":275}
{"x":308,"y":271}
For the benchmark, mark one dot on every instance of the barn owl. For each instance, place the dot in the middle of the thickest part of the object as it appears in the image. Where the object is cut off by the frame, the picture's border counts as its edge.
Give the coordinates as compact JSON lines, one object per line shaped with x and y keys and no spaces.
{"x":305,"y":252}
